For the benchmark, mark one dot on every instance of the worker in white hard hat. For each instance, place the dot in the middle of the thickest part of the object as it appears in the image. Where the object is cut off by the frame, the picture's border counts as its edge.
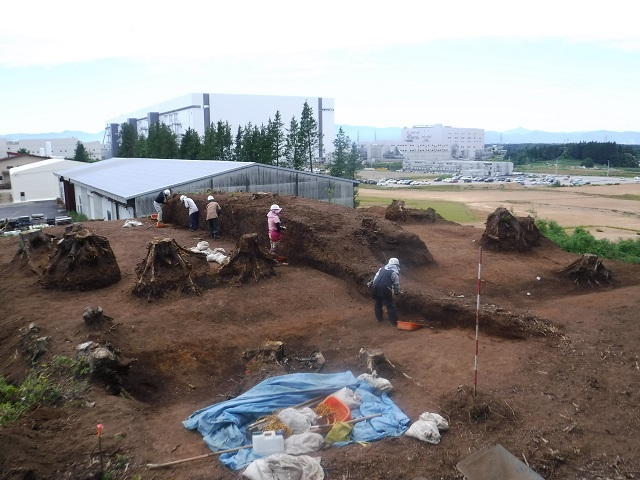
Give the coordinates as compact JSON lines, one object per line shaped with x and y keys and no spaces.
{"x":194,"y":213}
{"x":275,"y":228}
{"x":213,"y":217}
{"x":385,"y":284}
{"x":160,"y":200}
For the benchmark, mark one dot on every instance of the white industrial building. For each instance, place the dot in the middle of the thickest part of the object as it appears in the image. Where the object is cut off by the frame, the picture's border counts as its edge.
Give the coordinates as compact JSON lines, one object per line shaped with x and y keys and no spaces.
{"x":429,"y":143}
{"x":199,"y":110}
{"x":473,"y":168}
{"x":51,"y":147}
{"x":36,"y":181}
{"x":121,"y":188}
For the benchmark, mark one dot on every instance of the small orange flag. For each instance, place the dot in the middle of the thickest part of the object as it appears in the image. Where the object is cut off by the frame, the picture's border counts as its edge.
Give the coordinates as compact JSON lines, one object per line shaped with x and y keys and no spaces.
{"x":100,"y":427}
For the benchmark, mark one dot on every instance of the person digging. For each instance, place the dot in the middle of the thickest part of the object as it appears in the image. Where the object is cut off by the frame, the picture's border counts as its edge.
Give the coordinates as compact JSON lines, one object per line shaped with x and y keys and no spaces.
{"x":275,"y":231}
{"x":158,"y":203}
{"x":385,"y":283}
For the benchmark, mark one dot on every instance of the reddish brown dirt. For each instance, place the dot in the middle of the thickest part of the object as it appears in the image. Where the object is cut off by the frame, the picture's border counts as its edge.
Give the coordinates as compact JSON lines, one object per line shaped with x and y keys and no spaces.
{"x":558,"y":373}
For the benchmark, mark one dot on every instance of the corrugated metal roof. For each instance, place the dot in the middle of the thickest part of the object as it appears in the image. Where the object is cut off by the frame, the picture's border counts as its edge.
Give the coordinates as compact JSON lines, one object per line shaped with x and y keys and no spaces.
{"x":131,"y":177}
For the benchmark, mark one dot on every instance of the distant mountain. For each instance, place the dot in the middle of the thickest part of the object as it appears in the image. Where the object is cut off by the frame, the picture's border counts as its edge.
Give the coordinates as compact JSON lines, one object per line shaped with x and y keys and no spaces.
{"x":82,"y":136}
{"x":517,"y":135}
{"x":370,"y":134}
{"x":522,"y":135}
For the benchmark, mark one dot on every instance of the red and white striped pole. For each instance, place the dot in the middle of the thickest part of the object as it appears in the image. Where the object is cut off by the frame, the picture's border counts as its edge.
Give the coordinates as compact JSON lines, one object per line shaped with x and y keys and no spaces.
{"x":475,"y":363}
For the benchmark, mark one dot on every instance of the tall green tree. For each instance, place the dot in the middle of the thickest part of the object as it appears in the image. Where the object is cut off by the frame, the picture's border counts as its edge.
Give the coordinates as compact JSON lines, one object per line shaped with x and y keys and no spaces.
{"x":140,"y":150}
{"x":308,"y":134}
{"x":127,"y":139}
{"x":293,"y":151}
{"x":354,"y":162}
{"x":161,"y":142}
{"x":81,"y":154}
{"x":225,"y":141}
{"x":277,"y":138}
{"x":190,"y":145}
{"x":342,"y":148}
{"x":209,"y":149}
{"x":237,"y":151}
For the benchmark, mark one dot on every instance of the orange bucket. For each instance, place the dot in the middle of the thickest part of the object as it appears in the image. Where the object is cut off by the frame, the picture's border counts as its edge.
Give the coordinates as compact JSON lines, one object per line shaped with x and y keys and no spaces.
{"x":408,"y":326}
{"x":341,"y":413}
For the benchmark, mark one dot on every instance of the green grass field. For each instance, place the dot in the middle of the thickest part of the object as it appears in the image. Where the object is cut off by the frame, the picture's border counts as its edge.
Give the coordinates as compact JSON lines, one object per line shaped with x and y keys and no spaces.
{"x":452,"y":211}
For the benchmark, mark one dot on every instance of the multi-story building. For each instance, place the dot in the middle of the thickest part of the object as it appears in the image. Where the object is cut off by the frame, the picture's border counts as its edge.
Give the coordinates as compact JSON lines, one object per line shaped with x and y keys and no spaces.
{"x":429,"y":143}
{"x":50,"y":147}
{"x":198,"y":110}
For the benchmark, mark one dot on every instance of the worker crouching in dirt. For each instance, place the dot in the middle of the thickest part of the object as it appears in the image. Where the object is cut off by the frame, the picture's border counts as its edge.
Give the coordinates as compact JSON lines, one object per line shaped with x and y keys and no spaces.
{"x":385,"y":284}
{"x":275,"y":229}
{"x":190,"y":205}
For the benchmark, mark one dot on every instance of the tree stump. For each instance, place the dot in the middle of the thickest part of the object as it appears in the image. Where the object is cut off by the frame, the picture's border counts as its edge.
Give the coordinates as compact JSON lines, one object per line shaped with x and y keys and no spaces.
{"x":81,"y":261}
{"x":250,"y":261}
{"x":169,"y":267}
{"x":95,"y":317}
{"x":398,"y":212}
{"x":506,"y":232}
{"x":34,"y":249}
{"x":588,"y":269}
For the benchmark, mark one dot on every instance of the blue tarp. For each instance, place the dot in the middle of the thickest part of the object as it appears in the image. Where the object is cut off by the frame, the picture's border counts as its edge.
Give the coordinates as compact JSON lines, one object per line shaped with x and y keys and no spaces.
{"x":224,"y":425}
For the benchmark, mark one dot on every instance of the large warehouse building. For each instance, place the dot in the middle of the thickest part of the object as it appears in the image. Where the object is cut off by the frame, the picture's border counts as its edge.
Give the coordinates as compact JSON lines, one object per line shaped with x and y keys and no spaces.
{"x":121,"y":188}
{"x":199,"y":110}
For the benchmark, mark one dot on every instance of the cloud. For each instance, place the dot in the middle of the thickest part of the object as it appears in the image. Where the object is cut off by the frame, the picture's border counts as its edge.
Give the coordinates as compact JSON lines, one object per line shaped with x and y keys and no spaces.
{"x":67,"y":31}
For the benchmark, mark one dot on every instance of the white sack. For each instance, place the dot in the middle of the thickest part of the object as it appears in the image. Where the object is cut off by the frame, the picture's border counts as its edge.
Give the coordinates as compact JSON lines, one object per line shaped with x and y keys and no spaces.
{"x":302,"y":443}
{"x":298,"y":419}
{"x":380,"y":384}
{"x":428,"y":427}
{"x":217,"y":257}
{"x":132,"y":223}
{"x":281,"y":466}
{"x":347,"y":396}
{"x":202,"y":246}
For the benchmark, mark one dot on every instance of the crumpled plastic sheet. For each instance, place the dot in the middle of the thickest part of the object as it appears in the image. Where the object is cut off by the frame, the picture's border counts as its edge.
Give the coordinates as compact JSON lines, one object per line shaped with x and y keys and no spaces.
{"x":224,"y":425}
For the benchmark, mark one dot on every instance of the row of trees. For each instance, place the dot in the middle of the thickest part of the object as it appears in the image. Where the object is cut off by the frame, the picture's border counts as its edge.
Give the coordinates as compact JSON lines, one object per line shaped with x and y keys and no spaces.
{"x":271,"y":144}
{"x":588,"y":153}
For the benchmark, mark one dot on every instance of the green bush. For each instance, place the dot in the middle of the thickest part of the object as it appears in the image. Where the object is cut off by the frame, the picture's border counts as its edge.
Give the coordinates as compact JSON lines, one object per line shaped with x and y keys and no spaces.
{"x":581,"y":241}
{"x":78,"y":217}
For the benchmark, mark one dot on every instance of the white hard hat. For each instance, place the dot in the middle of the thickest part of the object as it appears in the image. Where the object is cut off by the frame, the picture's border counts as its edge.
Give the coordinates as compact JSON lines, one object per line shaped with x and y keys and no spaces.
{"x":394,"y":261}
{"x":275,"y":207}
{"x":210,"y":198}
{"x":167,"y":192}
{"x":182,"y":197}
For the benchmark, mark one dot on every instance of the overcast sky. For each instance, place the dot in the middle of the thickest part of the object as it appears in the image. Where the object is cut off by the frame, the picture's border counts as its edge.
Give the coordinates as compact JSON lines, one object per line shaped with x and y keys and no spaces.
{"x":497,"y":65}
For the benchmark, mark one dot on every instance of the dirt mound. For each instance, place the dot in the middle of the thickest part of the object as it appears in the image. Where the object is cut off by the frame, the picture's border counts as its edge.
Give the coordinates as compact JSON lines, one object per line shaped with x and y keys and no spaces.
{"x":169,"y":268}
{"x":504,"y":231}
{"x":588,"y":270}
{"x":81,"y":261}
{"x":330,"y":238}
{"x":398,"y":212}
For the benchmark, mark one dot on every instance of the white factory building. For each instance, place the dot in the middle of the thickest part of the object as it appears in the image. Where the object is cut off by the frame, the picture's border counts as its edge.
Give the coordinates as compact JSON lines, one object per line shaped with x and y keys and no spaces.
{"x":429,"y":143}
{"x":36,"y":181}
{"x":199,"y":110}
{"x":50,"y":147}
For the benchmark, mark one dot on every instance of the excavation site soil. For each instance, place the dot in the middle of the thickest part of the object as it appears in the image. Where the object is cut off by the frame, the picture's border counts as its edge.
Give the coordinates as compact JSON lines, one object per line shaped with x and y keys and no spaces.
{"x":558,"y":373}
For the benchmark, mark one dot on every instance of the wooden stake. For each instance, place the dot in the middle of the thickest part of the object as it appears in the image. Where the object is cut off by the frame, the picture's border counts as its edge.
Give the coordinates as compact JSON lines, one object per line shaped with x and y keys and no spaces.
{"x":168,"y":464}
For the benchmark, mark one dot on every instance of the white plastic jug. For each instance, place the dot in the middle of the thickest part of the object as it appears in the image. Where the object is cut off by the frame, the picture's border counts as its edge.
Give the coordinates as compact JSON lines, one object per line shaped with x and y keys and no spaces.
{"x":267,"y":443}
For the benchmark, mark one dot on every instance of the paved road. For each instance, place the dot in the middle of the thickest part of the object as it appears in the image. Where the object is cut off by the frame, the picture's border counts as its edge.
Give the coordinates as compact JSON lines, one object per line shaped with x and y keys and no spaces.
{"x":49,"y":208}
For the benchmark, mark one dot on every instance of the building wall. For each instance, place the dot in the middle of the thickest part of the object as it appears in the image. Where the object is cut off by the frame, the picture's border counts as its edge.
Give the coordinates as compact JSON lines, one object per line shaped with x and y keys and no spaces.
{"x":6,"y":164}
{"x":58,"y":147}
{"x":100,"y":207}
{"x":463,"y":167}
{"x":191,"y":111}
{"x":37,"y":182}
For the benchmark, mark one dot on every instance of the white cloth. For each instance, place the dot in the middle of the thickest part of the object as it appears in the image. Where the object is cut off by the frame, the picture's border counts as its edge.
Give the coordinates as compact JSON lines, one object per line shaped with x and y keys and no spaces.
{"x":301,"y":443}
{"x":298,"y":419}
{"x":132,"y":223}
{"x":347,"y":396}
{"x":380,"y":384}
{"x":428,"y":427}
{"x":281,"y":466}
